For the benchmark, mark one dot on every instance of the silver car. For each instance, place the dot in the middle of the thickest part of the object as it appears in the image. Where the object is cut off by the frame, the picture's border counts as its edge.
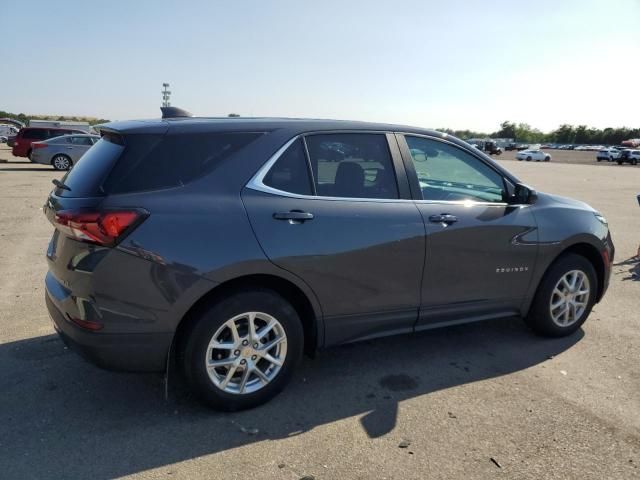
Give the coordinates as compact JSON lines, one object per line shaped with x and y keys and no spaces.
{"x":62,"y":152}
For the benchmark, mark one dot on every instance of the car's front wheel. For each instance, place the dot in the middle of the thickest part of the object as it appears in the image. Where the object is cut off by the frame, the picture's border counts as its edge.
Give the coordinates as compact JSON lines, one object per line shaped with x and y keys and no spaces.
{"x":564,"y":298}
{"x":242,"y":350}
{"x":528,"y":159}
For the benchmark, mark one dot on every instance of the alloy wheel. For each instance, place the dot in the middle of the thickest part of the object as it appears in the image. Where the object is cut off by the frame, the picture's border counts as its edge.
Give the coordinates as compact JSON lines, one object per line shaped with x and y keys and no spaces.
{"x":569,"y":298}
{"x":246,"y":353}
{"x":60,"y":162}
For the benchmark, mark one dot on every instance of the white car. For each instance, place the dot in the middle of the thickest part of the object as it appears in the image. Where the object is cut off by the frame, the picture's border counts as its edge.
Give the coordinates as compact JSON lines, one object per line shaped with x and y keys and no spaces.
{"x":634,"y":157}
{"x":537,"y":155}
{"x":608,"y":154}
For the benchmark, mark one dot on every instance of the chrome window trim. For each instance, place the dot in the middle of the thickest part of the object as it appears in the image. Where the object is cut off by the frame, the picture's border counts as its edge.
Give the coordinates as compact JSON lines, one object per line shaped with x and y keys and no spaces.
{"x":257,"y":183}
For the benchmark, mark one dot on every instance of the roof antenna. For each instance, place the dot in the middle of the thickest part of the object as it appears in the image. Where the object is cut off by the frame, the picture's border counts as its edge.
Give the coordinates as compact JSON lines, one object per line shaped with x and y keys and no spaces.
{"x":174,"y":112}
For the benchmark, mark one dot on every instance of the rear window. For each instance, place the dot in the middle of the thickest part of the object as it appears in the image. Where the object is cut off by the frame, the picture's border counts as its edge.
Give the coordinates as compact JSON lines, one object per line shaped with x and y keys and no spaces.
{"x":35,"y":134}
{"x":149,"y":162}
{"x":87,"y":175}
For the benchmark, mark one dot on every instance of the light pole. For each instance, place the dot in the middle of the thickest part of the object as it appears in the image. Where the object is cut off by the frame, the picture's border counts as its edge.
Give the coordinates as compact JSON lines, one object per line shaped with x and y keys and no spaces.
{"x":166,"y":93}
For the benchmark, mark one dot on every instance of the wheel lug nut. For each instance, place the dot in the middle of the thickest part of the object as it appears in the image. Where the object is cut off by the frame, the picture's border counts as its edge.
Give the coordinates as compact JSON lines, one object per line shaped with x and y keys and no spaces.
{"x":243,"y":361}
{"x":237,"y":353}
{"x":255,"y":345}
{"x":245,"y":342}
{"x":253,"y":357}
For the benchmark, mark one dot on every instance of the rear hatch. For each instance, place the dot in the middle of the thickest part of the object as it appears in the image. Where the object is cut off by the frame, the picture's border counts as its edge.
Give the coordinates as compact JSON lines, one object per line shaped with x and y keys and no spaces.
{"x":84,"y":231}
{"x":121,"y":163}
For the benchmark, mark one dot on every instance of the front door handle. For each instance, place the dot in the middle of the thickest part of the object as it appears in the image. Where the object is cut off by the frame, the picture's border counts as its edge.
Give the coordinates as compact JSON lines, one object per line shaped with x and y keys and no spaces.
{"x":294,"y":216}
{"x":445,"y":218}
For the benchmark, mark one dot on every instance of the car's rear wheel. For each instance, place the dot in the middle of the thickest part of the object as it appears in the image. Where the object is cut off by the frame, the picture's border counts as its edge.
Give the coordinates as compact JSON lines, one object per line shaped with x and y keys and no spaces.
{"x":547,"y":158}
{"x":61,"y":162}
{"x":634,"y":162}
{"x":528,"y":159}
{"x":564,"y":298}
{"x":242,"y":350}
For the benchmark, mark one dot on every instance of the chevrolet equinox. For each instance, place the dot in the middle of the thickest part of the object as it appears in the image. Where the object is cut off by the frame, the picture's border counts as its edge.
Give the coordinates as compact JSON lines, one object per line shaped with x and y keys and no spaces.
{"x":233,"y":246}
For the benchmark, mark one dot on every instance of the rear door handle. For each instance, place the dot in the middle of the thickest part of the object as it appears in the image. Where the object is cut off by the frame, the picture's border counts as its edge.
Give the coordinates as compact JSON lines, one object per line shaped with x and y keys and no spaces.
{"x":294,"y":216}
{"x":445,"y":218}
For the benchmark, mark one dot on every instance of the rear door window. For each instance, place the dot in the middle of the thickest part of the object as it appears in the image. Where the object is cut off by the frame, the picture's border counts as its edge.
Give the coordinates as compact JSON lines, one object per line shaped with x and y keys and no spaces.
{"x":352,"y":165}
{"x":84,"y":141}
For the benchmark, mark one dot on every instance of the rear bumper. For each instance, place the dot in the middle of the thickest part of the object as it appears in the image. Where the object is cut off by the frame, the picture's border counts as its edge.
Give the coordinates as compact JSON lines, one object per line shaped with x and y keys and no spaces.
{"x":37,"y":157}
{"x":19,"y":151}
{"x":133,"y":352}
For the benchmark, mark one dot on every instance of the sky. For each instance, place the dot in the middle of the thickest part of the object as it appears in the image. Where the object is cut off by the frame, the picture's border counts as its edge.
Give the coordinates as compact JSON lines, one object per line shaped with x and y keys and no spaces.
{"x":455,"y":64}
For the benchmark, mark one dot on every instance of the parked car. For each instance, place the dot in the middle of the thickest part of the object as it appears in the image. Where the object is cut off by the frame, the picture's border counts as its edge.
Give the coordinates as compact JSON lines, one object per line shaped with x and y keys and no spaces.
{"x":62,"y":152}
{"x":522,"y":146}
{"x":486,"y":145}
{"x":510,"y":147}
{"x":233,"y":246}
{"x":627,"y":157}
{"x":608,"y":154}
{"x":28,"y":135}
{"x":537,"y":155}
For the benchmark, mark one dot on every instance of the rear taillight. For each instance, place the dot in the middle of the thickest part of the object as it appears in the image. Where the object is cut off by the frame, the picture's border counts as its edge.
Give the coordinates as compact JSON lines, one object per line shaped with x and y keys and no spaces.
{"x":104,"y":228}
{"x":38,"y":145}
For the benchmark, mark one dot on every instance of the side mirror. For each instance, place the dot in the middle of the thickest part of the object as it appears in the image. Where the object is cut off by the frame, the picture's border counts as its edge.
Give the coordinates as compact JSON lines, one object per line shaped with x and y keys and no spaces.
{"x":523,"y":195}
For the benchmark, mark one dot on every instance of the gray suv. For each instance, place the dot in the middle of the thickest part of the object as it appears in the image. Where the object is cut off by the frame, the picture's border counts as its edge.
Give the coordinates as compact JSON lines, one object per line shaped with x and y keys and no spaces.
{"x":233,"y":246}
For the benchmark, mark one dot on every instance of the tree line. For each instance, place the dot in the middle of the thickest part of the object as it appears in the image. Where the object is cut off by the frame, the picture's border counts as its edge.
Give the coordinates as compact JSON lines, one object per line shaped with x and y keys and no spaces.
{"x":58,"y":118}
{"x":520,"y":132}
{"x":568,"y":134}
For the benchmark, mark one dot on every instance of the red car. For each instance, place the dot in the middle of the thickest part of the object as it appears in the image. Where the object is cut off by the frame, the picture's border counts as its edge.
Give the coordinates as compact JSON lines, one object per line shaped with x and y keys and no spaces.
{"x":27,"y":135}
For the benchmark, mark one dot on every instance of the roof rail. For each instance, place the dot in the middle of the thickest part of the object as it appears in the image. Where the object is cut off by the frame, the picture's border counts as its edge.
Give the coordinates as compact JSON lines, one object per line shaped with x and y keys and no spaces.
{"x":174,"y":112}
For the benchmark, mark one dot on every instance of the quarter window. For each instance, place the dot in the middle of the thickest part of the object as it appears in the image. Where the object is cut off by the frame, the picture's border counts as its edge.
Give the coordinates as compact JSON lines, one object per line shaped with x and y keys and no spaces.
{"x":291,"y":172}
{"x":352,"y":165}
{"x":448,"y":173}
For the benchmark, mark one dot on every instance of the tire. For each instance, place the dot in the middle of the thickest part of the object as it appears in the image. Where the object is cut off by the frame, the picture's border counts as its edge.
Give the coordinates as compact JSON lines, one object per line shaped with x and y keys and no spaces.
{"x":61,"y":162}
{"x":547,"y":158}
{"x":29,"y":155}
{"x":634,"y":161}
{"x":619,"y":162}
{"x":540,"y":318}
{"x":528,"y":159}
{"x":212,"y":322}
{"x":611,"y":159}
